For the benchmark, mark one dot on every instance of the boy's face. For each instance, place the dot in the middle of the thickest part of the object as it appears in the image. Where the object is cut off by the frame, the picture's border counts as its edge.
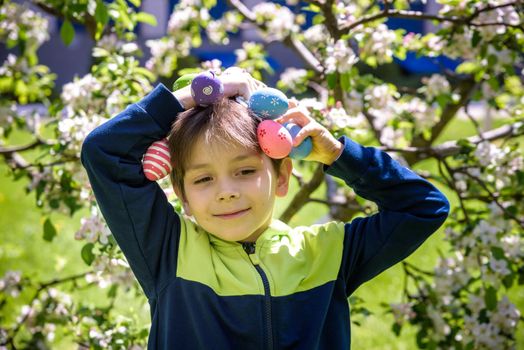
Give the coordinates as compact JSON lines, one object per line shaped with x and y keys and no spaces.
{"x":230,"y":190}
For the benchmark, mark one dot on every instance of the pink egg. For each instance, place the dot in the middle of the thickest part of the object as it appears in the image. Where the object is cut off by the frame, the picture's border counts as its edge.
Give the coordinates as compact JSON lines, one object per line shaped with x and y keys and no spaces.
{"x":274,"y":139}
{"x":157,"y":162}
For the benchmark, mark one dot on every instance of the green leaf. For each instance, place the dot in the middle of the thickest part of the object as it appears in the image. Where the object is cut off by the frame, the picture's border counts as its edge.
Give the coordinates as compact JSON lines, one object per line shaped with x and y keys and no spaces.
{"x":492,"y":60}
{"x":49,"y":230}
{"x":87,"y":253}
{"x":521,"y":276}
{"x":146,"y":18}
{"x":210,"y":3}
{"x":345,"y":81}
{"x":101,"y":13}
{"x":135,"y":2}
{"x":491,"y":298}
{"x":332,"y":80}
{"x":67,"y":32}
{"x":497,"y":252}
{"x":111,"y":293}
{"x":319,"y":19}
{"x":508,"y":280}
{"x":468,"y":67}
{"x":396,"y":329}
{"x":476,"y":38}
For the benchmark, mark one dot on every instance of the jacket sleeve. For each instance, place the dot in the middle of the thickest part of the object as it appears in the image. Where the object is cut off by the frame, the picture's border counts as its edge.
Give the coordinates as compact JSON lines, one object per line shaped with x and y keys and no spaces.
{"x":137,"y":211}
{"x":410,"y":210}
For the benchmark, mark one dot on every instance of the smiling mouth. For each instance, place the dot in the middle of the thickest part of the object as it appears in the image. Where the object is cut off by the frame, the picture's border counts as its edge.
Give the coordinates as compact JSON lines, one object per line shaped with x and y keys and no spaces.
{"x":232,"y":215}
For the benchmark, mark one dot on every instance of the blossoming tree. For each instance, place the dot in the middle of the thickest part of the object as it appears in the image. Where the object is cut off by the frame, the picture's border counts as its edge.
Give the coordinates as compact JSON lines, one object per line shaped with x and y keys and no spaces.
{"x":462,"y":303}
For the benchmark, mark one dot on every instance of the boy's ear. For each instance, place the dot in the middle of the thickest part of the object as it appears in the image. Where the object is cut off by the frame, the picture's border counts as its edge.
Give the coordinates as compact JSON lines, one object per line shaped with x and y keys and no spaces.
{"x":185,"y":205}
{"x":284,"y":175}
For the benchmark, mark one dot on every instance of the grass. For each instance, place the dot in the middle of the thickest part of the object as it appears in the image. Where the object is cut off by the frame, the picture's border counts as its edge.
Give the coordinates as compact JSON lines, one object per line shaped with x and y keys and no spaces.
{"x":24,"y":249}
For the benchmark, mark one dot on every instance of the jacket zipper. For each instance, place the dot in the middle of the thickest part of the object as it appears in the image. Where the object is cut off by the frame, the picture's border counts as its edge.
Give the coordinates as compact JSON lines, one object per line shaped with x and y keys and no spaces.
{"x":250,"y":249}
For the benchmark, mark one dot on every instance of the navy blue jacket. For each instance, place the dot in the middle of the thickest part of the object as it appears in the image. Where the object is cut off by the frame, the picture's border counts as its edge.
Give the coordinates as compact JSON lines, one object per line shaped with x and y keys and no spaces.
{"x":291,"y":291}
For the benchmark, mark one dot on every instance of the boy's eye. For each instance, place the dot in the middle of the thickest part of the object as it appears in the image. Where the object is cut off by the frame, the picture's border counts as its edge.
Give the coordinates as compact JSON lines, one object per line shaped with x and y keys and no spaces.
{"x":203,"y":180}
{"x":247,"y":171}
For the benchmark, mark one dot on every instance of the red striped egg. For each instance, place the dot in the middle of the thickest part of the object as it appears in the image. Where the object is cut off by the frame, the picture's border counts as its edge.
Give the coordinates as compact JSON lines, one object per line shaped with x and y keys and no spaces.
{"x":157,"y":162}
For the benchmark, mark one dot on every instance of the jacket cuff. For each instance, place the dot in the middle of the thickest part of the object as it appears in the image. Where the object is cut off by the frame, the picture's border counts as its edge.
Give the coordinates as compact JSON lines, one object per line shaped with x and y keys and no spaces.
{"x":162,"y":106}
{"x":352,"y":163}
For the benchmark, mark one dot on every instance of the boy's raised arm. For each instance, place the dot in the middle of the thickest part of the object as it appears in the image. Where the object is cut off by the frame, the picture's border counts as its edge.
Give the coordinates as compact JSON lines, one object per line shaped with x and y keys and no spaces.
{"x":410,"y":210}
{"x":136,"y":209}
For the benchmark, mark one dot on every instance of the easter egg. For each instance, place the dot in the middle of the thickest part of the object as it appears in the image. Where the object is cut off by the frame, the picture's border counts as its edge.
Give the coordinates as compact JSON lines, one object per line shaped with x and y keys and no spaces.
{"x":206,"y":88}
{"x":268,"y":103}
{"x":184,"y":81}
{"x":304,"y":149}
{"x":274,"y":139}
{"x":157,"y":162}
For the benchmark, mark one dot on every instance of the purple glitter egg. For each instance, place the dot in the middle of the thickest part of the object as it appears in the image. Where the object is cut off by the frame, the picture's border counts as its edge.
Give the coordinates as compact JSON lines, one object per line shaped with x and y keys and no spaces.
{"x":206,"y":89}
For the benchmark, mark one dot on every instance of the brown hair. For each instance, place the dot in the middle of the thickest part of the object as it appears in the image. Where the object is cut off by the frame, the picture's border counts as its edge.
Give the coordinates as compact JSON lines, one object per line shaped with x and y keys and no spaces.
{"x":225,"y":121}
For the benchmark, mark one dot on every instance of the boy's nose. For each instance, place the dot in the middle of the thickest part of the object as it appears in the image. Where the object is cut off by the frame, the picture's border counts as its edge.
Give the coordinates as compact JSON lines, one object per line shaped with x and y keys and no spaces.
{"x":227,"y":190}
{"x":227,"y":195}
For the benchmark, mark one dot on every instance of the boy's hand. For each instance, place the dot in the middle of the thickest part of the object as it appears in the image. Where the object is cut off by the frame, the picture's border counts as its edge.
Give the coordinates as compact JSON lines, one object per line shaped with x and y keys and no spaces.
{"x":326,"y":148}
{"x":237,"y":82}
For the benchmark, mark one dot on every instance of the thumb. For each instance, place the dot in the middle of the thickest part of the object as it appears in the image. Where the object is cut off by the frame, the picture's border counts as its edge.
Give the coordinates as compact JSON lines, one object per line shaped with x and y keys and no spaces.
{"x":292,"y":103}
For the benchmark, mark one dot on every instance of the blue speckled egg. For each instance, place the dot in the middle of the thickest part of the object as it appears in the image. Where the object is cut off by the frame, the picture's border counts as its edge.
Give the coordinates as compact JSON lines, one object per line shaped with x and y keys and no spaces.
{"x":268,"y":103}
{"x":304,"y":149}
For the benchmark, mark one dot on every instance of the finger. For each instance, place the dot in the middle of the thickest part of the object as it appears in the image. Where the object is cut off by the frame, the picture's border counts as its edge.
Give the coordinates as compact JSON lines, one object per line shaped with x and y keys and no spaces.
{"x":292,"y":103}
{"x":233,"y":70}
{"x":295,"y":115}
{"x":309,"y":130}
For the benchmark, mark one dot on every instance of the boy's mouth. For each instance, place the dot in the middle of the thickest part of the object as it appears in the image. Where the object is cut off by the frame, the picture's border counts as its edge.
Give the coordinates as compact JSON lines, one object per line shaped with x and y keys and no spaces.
{"x":233,"y":214}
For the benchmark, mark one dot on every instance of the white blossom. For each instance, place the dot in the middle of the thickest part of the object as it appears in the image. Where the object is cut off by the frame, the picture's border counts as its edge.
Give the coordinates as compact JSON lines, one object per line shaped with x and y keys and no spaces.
{"x":378,"y":43}
{"x":450,"y":275}
{"x":181,"y":17}
{"x":402,"y":312}
{"x":440,"y":328}
{"x":293,"y":78}
{"x":345,"y":12}
{"x":487,"y":154}
{"x":425,"y":116}
{"x":486,"y":233}
{"x":17,"y":17}
{"x":503,"y":15}
{"x":279,"y":20}
{"x":512,"y":246}
{"x":93,"y":228}
{"x":10,"y":283}
{"x":340,"y":57}
{"x":436,"y":85}
{"x":378,"y":96}
{"x":316,"y":35}
{"x":499,"y":266}
{"x":312,"y":103}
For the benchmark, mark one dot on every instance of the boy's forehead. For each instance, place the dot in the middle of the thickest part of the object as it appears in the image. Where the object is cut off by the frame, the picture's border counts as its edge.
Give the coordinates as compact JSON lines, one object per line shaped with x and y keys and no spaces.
{"x":208,"y":151}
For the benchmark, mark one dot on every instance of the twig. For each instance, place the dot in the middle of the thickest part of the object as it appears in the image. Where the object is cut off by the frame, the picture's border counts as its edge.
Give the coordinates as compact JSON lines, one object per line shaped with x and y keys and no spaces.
{"x":299,"y":47}
{"x":417,"y":15}
{"x":302,"y":196}
{"x":39,"y":289}
{"x":495,"y":198}
{"x":450,"y":148}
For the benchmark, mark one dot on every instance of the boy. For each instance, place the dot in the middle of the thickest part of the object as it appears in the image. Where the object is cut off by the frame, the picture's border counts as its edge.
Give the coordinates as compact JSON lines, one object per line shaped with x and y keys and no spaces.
{"x":234,"y":278}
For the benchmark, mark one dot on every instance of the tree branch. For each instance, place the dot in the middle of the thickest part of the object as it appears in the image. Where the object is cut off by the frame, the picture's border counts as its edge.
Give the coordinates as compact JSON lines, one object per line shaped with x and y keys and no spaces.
{"x":39,"y":289}
{"x":13,"y":149}
{"x":89,"y":21}
{"x":417,"y":15}
{"x":303,"y":194}
{"x":466,"y":88}
{"x":450,"y":148}
{"x":294,"y":43}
